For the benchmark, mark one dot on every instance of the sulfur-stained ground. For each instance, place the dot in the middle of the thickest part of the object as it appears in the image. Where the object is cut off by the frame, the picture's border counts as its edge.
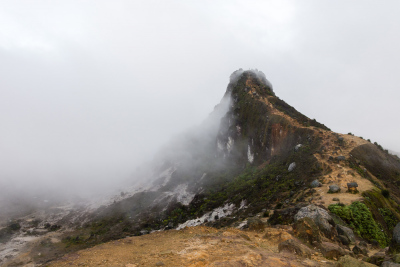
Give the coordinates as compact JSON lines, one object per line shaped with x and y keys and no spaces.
{"x":194,"y":246}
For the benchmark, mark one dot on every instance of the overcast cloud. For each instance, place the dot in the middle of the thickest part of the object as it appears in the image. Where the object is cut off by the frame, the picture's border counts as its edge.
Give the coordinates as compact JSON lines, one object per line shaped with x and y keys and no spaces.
{"x":90,"y":89}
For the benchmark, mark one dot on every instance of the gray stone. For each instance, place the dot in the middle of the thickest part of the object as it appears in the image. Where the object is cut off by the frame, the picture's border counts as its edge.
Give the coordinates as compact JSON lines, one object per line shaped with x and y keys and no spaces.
{"x":347,"y":232}
{"x":352,"y":184}
{"x":334,"y":188}
{"x":396,"y":234}
{"x":292,"y":166}
{"x":315,"y":183}
{"x":330,"y":250}
{"x":344,"y":240}
{"x":311,"y":211}
{"x":335,"y":199}
{"x":396,"y":258}
{"x":378,"y":258}
{"x":294,"y":246}
{"x":297,"y":147}
{"x":341,"y":158}
{"x":325,"y":227}
{"x":360,"y":250}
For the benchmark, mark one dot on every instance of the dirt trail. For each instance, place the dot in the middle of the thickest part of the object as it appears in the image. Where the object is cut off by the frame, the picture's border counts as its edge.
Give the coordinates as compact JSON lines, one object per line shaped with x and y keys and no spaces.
{"x":194,"y":246}
{"x":341,"y":172}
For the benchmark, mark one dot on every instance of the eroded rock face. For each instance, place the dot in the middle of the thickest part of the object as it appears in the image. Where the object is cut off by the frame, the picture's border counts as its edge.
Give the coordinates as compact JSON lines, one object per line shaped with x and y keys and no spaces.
{"x":294,"y":246}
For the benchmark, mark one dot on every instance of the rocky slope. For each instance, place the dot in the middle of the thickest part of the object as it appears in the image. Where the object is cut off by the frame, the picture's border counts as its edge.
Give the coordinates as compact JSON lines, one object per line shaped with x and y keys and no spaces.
{"x":254,"y":156}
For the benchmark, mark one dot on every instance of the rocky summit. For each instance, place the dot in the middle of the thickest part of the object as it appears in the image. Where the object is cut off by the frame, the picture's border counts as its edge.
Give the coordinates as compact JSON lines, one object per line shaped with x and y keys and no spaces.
{"x":256,"y":184}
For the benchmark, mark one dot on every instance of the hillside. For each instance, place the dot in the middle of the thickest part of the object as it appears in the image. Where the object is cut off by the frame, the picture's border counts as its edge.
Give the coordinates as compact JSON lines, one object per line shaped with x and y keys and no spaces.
{"x":255,"y":158}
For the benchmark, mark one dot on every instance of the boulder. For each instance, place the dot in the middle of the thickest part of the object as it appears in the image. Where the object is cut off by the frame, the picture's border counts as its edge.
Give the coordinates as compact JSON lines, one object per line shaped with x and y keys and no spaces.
{"x":395,"y":244}
{"x":315,"y":184}
{"x":347,"y":232}
{"x":321,"y":218}
{"x":330,"y":250}
{"x":297,"y":147}
{"x":347,"y":261}
{"x":325,"y":227}
{"x":360,"y":250}
{"x":255,"y":224}
{"x":334,"y":188}
{"x":292,"y":166}
{"x":341,"y":158}
{"x":294,"y":246}
{"x":343,"y":240}
{"x":335,"y":199}
{"x":396,"y":258}
{"x":311,"y":211}
{"x":378,"y":258}
{"x":352,"y":187}
{"x":307,"y":231}
{"x":389,"y":264}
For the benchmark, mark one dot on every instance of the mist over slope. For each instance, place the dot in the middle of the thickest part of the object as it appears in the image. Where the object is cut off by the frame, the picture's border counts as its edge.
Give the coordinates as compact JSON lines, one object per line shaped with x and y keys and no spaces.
{"x":253,"y":156}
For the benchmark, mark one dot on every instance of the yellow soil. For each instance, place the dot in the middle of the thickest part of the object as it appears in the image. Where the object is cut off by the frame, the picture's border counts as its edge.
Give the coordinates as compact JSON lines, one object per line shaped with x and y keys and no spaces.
{"x":341,"y":173}
{"x":194,"y":246}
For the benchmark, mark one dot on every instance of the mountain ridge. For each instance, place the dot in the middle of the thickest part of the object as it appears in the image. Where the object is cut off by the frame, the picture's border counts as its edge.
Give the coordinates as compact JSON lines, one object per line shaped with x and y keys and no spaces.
{"x":255,"y":154}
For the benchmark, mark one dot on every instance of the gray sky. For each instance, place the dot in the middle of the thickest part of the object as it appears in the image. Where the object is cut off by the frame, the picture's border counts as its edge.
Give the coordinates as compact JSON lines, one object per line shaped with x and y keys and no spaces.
{"x":88,"y":89}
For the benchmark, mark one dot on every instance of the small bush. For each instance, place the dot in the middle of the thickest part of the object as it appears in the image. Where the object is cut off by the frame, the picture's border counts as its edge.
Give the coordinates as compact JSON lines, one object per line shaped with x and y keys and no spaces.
{"x":385,"y":193}
{"x":359,"y":217}
{"x":266,"y":213}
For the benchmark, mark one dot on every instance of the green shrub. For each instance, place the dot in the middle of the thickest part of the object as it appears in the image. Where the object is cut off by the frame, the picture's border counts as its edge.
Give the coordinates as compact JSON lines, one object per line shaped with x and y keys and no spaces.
{"x":385,"y":193}
{"x":359,"y":217}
